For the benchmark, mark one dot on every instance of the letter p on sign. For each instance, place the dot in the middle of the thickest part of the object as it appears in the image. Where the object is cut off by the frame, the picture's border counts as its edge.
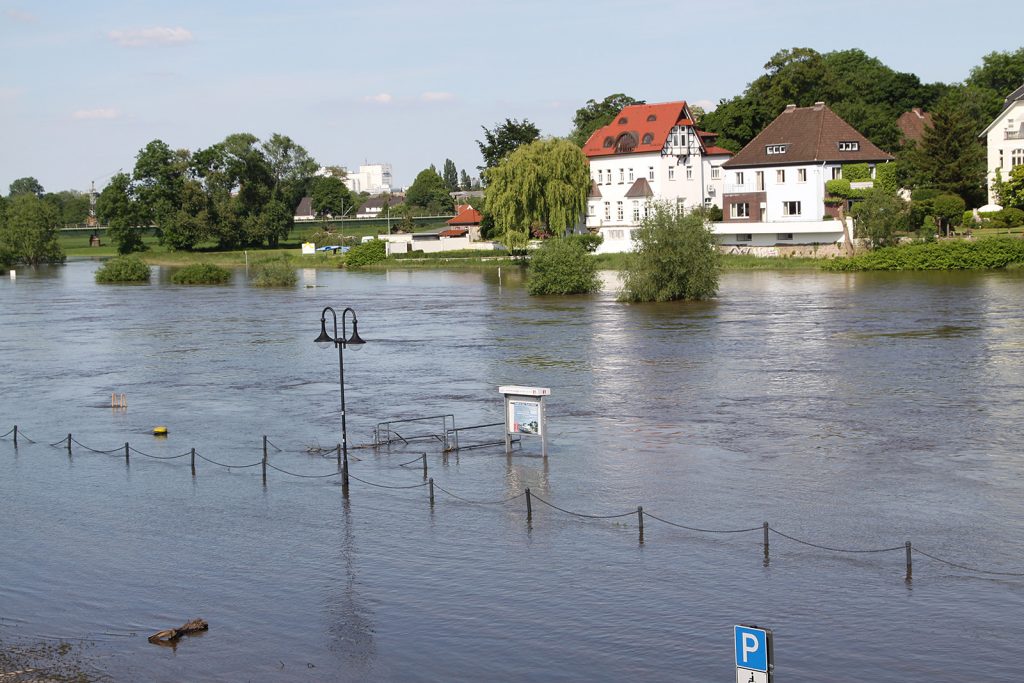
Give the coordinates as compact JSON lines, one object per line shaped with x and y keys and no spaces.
{"x":751,"y":648}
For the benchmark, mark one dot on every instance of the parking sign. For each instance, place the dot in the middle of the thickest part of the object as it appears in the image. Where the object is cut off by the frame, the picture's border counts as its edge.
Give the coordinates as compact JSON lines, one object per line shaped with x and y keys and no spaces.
{"x":753,"y":654}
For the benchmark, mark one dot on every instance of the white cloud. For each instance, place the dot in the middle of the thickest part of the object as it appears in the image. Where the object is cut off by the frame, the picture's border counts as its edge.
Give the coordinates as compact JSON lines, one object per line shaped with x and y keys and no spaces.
{"x":94,"y":114}
{"x":437,"y":97}
{"x":379,"y":98}
{"x":706,"y":105}
{"x":19,"y":15}
{"x":160,"y":36}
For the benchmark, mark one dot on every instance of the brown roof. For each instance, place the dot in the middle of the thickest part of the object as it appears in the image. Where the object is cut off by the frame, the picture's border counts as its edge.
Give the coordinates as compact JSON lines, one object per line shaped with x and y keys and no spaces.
{"x":912,"y":123}
{"x":640,"y":188}
{"x":595,"y":191}
{"x":810,"y":134}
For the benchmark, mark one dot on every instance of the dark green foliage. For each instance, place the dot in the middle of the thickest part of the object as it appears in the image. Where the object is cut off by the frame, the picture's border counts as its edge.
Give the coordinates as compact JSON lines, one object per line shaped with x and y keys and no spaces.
{"x":999,"y":220}
{"x":28,"y":231}
{"x":450,"y":176}
{"x":879,"y":216}
{"x":429,"y":192}
{"x":117,"y":208}
{"x":562,"y":266}
{"x":26,"y":185}
{"x":886,"y":178}
{"x":464,"y":182}
{"x":1011,"y":191}
{"x":504,"y":139}
{"x":367,"y":253}
{"x":856,"y":173}
{"x":589,"y":241}
{"x":123,"y":269}
{"x":983,"y":254}
{"x":948,"y":209}
{"x":201,"y":274}
{"x":999,"y":74}
{"x":330,"y":196}
{"x":274,"y":272}
{"x":72,"y":207}
{"x":676,"y":257}
{"x":594,"y":115}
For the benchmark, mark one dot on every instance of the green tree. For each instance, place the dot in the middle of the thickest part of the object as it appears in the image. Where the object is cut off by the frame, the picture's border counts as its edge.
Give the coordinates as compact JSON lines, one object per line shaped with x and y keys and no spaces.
{"x":562,"y":266}
{"x":879,"y":216}
{"x":540,"y":185}
{"x":450,"y":175}
{"x":117,"y":208}
{"x":330,"y":196}
{"x":1012,"y":194}
{"x":29,"y":231}
{"x":464,"y":182}
{"x":999,"y":74}
{"x":594,"y":115}
{"x":158,"y":178}
{"x":72,"y":206}
{"x":26,"y":185}
{"x":504,"y":139}
{"x":948,"y":210}
{"x":675,"y":257}
{"x":291,"y":170}
{"x":429,"y":192}
{"x":950,"y":156}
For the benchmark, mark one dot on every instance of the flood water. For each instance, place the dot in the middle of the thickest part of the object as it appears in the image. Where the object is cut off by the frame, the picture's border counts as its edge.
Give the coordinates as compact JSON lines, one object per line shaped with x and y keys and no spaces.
{"x":855,"y":411}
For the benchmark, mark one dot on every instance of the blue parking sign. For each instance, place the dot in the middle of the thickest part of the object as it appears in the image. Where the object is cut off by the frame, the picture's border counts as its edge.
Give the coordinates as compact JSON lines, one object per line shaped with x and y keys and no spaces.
{"x":752,"y":648}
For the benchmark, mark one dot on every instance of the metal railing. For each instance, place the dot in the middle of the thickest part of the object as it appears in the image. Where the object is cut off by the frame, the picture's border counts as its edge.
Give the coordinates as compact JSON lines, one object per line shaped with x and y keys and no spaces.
{"x":454,"y":443}
{"x":384,"y":434}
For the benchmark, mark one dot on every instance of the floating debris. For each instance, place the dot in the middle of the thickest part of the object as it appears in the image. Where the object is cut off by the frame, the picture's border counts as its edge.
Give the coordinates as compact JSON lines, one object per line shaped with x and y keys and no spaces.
{"x":171,"y":635}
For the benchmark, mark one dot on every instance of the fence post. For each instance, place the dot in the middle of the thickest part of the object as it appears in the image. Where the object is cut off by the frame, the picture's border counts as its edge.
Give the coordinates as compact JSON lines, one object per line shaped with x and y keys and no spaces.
{"x":15,"y":436}
{"x":344,"y":472}
{"x":193,"y":462}
{"x":339,"y":456}
{"x":640,"y":519}
{"x":431,"y":492}
{"x":264,"y":459}
{"x":910,"y":563}
{"x":126,"y":452}
{"x":766,"y":544}
{"x":69,"y":444}
{"x":529,"y":506}
{"x":424,"y":465}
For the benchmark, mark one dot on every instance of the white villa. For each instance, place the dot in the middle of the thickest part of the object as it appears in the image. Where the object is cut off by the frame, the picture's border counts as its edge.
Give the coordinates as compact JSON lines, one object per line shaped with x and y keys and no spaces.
{"x":775,"y":186}
{"x":1005,"y":137}
{"x":650,"y":152}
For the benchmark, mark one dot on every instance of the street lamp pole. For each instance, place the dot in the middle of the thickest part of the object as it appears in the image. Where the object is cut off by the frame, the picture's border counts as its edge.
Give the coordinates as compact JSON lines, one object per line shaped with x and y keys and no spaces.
{"x":341,"y":342}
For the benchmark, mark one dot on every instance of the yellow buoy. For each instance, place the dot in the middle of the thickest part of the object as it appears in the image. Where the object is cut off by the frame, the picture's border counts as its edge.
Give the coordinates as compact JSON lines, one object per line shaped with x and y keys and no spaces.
{"x":160,"y":431}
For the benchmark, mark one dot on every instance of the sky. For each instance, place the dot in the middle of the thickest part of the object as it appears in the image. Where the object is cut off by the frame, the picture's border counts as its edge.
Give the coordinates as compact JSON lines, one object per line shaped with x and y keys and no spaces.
{"x":85,"y":85}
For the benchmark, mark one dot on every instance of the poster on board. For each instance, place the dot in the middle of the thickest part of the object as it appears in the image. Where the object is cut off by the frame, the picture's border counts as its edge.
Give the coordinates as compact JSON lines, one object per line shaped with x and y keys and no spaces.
{"x":524,"y":417}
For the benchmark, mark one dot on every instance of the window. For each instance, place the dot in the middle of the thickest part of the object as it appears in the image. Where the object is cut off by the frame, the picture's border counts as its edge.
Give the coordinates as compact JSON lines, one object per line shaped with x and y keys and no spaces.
{"x":790,"y":208}
{"x":647,"y":209}
{"x":759,"y":181}
{"x":630,"y":175}
{"x":716,"y":172}
{"x":739,"y":210}
{"x":689,"y":172}
{"x":622,"y":176}
{"x":650,"y":173}
{"x":745,"y":237}
{"x":590,"y":209}
{"x":652,"y":117}
{"x":648,"y":138}
{"x":607,"y":211}
{"x":739,"y":177}
{"x":618,"y":211}
{"x":801,"y":175}
{"x":707,"y":202}
{"x":780,"y":175}
{"x":608,"y":142}
{"x":671,"y":172}
{"x":615,"y":234}
{"x":1017,"y":157}
{"x":636,"y":211}
{"x":849,"y":146}
{"x":784,"y":237}
{"x":600,"y":177}
{"x":623,"y":121}
{"x":775,"y":149}
{"x":680,"y":203}
{"x":837,"y":172}
{"x":625,"y":143}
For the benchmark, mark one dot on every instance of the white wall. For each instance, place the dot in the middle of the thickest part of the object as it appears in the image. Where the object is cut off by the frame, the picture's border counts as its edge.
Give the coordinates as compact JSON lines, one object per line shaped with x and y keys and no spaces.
{"x":1008,"y":123}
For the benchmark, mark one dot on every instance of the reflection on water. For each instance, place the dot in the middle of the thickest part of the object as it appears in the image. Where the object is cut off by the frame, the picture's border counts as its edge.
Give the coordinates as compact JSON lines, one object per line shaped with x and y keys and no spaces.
{"x":857,"y":410}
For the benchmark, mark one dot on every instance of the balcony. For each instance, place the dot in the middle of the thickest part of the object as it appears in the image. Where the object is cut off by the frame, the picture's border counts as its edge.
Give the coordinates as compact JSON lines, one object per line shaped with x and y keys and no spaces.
{"x":1013,"y":135}
{"x":742,"y":188}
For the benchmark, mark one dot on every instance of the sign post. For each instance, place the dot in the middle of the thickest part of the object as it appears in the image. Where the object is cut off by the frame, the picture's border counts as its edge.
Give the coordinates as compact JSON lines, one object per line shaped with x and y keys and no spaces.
{"x":753,"y":654}
{"x":524,"y":414}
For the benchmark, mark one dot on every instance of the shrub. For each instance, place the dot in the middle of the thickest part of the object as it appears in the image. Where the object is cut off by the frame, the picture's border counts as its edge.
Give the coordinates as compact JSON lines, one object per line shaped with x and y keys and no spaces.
{"x":676,"y":257}
{"x":1012,"y":217}
{"x":949,"y":209}
{"x":838,"y":187}
{"x":879,"y":216}
{"x":856,"y":172}
{"x":885,"y":178}
{"x":924,"y":194}
{"x":201,"y":274}
{"x":123,"y":269}
{"x":983,"y":254}
{"x":274,"y":272}
{"x":562,"y":266}
{"x":589,"y":241}
{"x":367,"y":253}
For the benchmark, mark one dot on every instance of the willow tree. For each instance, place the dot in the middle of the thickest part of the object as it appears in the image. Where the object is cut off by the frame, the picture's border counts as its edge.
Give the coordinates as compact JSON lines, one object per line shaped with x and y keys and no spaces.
{"x":539,"y":185}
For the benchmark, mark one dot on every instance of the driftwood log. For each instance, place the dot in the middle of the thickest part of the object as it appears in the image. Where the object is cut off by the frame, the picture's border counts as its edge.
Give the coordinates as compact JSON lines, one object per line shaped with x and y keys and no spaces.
{"x":171,"y":635}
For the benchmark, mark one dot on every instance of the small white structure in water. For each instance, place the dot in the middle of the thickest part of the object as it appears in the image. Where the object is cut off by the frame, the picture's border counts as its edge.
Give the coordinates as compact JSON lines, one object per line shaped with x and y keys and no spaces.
{"x":524,"y":414}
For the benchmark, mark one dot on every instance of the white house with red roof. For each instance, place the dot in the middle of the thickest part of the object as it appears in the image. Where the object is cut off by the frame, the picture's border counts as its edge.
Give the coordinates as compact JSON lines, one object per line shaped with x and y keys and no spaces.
{"x":649,"y":153}
{"x":466,"y":219}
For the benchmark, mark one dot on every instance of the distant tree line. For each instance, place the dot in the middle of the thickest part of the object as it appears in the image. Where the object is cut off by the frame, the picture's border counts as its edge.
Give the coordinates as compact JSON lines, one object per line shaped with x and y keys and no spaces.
{"x":30,"y":218}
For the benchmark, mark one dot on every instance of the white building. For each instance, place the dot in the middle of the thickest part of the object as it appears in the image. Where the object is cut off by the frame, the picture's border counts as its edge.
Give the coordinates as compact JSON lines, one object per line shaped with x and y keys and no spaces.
{"x":775,"y":186}
{"x":371,"y":178}
{"x":1005,"y":138}
{"x":649,"y":153}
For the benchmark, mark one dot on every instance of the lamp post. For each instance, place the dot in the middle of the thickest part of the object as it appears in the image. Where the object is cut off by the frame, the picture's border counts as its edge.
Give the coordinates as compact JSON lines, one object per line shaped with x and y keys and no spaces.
{"x":342,"y":342}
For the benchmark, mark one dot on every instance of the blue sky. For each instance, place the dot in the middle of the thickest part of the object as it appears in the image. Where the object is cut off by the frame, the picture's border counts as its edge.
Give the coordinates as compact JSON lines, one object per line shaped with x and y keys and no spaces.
{"x":85,"y":85}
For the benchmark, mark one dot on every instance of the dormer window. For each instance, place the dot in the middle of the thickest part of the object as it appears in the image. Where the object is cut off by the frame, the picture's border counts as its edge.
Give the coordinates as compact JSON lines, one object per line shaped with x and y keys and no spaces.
{"x":776,"y":149}
{"x":625,"y":143}
{"x":849,"y":146}
{"x":652,"y":117}
{"x":648,"y":138}
{"x":608,"y":141}
{"x":623,"y":121}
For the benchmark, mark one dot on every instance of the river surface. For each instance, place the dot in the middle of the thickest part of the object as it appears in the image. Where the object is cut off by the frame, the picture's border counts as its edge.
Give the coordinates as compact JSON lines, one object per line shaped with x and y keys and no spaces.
{"x":855,"y":411}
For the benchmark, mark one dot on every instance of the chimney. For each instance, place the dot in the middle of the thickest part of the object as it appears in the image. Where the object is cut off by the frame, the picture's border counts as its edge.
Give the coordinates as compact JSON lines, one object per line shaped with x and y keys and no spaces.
{"x":789,"y":108}
{"x":818,"y":106}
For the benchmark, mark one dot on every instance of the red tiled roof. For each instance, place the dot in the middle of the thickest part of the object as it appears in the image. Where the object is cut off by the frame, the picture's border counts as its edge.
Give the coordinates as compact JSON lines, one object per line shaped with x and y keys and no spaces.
{"x":452,"y":232}
{"x":809,"y":134}
{"x":468,"y":216}
{"x":637,"y":125}
{"x":714,"y":149}
{"x":912,"y":124}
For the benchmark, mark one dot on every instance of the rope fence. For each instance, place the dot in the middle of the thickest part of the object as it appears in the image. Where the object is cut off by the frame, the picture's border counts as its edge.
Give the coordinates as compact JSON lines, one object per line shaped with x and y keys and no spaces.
{"x":639,"y":512}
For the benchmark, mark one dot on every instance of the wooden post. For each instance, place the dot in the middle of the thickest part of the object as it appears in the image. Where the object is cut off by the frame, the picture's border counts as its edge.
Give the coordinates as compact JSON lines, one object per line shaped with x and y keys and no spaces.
{"x":264,"y":459}
{"x":69,"y":444}
{"x":424,"y":465}
{"x":640,"y":519}
{"x":15,"y":436}
{"x":910,"y":563}
{"x":339,"y":457}
{"x":529,"y":506}
{"x":344,"y":473}
{"x":126,"y":452}
{"x":193,"y":462}
{"x":766,"y":543}
{"x":431,"y":492}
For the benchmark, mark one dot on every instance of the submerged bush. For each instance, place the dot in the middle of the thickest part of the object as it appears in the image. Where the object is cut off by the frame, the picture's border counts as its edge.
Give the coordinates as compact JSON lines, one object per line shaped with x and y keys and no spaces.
{"x":201,"y":274}
{"x":984,"y":254}
{"x":367,"y":253}
{"x":123,"y":269}
{"x":562,"y":266}
{"x":274,"y":272}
